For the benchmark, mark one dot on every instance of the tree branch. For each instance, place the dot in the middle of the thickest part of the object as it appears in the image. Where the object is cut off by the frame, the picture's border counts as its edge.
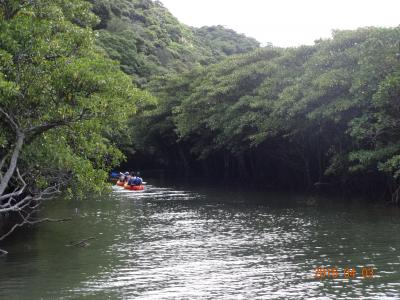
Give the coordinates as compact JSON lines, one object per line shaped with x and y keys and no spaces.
{"x":13,"y":123}
{"x":16,"y":192}
{"x":13,"y":161}
{"x":14,"y":205}
{"x":26,"y":221}
{"x":3,"y":161}
{"x":18,"y":205}
{"x":34,"y":131}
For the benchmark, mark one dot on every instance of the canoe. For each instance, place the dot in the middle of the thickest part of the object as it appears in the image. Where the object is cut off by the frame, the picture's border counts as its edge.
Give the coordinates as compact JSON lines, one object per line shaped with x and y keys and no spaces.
{"x":134,"y":187}
{"x":120,"y":183}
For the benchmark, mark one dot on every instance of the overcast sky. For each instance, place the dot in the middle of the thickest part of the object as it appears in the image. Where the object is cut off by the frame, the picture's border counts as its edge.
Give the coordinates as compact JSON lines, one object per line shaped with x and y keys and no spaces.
{"x":287,"y":22}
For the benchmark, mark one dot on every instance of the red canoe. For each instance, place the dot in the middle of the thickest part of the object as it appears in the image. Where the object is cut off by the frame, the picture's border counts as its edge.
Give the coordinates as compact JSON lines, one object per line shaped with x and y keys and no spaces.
{"x":134,"y":187}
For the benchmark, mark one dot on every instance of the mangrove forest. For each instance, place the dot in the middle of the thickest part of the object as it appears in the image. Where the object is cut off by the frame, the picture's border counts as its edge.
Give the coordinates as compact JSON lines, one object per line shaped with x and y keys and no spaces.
{"x":90,"y":87}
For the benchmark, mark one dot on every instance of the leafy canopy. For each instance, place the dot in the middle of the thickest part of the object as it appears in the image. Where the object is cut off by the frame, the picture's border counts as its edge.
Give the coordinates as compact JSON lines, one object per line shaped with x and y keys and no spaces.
{"x":61,"y":91}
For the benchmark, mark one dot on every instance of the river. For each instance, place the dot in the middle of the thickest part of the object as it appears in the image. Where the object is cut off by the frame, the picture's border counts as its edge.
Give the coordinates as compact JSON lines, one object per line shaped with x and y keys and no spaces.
{"x":197,"y":242}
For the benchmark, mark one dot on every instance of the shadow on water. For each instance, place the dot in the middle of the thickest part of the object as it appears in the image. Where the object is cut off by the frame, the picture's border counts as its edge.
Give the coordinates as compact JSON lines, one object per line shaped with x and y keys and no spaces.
{"x":188,"y":241}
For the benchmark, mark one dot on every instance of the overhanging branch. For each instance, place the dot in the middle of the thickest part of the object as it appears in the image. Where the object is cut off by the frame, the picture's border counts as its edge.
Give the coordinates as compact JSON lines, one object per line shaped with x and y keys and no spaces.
{"x":26,"y":221}
{"x":12,"y":122}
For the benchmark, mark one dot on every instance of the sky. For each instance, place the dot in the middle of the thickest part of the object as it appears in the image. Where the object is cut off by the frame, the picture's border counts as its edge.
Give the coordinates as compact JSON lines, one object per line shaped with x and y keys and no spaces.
{"x":286,"y":23}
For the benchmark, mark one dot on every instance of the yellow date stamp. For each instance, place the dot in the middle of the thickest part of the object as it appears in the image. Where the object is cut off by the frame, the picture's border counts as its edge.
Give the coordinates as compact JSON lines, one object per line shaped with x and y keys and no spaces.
{"x":347,"y":272}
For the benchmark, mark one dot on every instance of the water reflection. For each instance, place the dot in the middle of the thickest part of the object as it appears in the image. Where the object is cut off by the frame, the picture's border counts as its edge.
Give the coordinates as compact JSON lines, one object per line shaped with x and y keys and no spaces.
{"x":164,"y":243}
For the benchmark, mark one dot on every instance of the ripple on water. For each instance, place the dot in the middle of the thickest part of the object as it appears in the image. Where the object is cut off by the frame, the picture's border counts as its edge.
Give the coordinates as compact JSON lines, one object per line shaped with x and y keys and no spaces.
{"x":216,"y":250}
{"x":174,"y":244}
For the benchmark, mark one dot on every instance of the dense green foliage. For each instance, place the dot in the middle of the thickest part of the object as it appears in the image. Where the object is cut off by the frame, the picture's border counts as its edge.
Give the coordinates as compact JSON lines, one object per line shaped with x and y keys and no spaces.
{"x":293,"y":117}
{"x":325,"y":114}
{"x":147,"y":40}
{"x":59,"y":96}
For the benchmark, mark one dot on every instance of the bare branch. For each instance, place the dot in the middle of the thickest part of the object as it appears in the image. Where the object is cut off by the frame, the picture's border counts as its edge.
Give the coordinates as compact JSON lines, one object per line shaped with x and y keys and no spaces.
{"x":20,"y":177}
{"x":17,"y":205}
{"x":14,"y":205}
{"x":17,"y":192}
{"x":26,"y":221}
{"x":29,"y":205}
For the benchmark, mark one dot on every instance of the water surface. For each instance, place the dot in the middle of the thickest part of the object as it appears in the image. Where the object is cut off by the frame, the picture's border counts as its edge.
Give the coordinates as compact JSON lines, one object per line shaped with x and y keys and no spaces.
{"x":194,"y":242}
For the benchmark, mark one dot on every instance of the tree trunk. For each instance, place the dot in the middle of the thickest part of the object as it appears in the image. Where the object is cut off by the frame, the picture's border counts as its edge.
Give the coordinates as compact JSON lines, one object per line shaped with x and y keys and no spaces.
{"x":13,"y":162}
{"x":243,"y":173}
{"x":226,"y":166}
{"x":307,"y":173}
{"x":184,"y":161}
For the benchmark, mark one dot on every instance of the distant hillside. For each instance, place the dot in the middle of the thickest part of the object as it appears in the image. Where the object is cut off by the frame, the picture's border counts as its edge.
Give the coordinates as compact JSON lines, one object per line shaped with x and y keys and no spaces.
{"x":223,"y":42}
{"x":148,"y":40}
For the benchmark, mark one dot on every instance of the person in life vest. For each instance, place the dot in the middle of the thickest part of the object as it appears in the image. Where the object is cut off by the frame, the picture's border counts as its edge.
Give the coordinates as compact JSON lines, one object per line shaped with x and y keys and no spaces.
{"x":123,"y":177}
{"x":137,"y":180}
{"x":131,"y":178}
{"x":114,"y":175}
